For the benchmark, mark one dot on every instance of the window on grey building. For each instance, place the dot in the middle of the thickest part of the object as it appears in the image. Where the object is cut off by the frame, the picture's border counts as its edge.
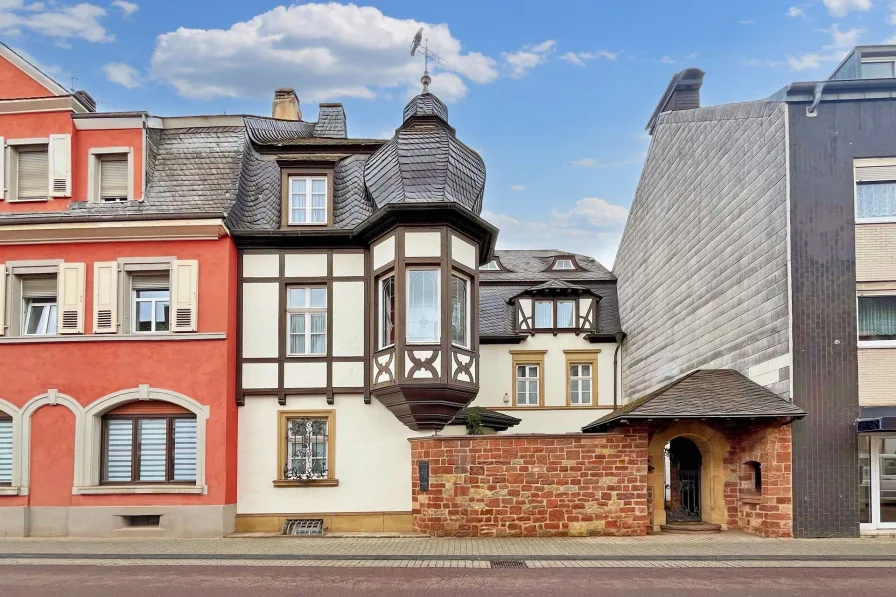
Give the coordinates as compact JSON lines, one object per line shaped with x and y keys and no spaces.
{"x":875,"y":199}
{"x":878,"y":69}
{"x":877,"y":317}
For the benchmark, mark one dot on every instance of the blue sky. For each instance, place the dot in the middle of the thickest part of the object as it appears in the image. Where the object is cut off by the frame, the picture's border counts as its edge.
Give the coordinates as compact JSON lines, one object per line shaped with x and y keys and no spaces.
{"x":554,"y":95}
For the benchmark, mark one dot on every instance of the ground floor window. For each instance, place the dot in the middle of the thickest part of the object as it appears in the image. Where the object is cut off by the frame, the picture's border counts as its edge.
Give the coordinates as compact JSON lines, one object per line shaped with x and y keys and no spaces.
{"x":307,"y":444}
{"x":877,"y":481}
{"x":150,"y":448}
{"x":5,"y":450}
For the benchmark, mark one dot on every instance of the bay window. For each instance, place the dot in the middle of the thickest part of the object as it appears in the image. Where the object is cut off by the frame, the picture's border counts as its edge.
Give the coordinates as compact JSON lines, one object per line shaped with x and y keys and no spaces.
{"x":544,"y":314}
{"x":149,"y":449}
{"x":566,"y":314}
{"x":307,"y":321}
{"x":386,"y":312}
{"x":460,"y":311}
{"x":423,"y":321}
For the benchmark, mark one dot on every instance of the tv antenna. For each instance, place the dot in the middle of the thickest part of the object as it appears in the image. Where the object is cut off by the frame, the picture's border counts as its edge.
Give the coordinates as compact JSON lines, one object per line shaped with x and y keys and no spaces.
{"x":420,"y":42}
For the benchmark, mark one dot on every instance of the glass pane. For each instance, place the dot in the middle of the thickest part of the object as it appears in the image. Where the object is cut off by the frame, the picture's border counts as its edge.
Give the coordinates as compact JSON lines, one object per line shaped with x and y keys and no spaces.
{"x":875,"y":199}
{"x":51,"y":320}
{"x":297,"y":216}
{"x":319,"y":298}
{"x":184,"y":450}
{"x":573,"y":370}
{"x":318,"y":344}
{"x":296,"y":344}
{"x":521,"y":392}
{"x":319,"y":185}
{"x":521,"y":371}
{"x":864,"y":478}
{"x":119,"y":450}
{"x":423,"y":306}
{"x":586,"y":370}
{"x":5,"y":450}
{"x":574,"y":386}
{"x":533,"y":371}
{"x":318,"y":323}
{"x":533,"y":392}
{"x":297,"y":324}
{"x":319,"y":216}
{"x":888,"y":480}
{"x":34,"y":314}
{"x":299,"y":186}
{"x":152,"y":294}
{"x":144,"y":317}
{"x":153,"y":437}
{"x":297,"y":298}
{"x":387,"y":312}
{"x":877,"y":317}
{"x":566,"y":314}
{"x":318,"y":201}
{"x":585,"y":395}
{"x":459,"y":311}
{"x":544,"y":314}
{"x":162,"y":317}
{"x":877,"y":70}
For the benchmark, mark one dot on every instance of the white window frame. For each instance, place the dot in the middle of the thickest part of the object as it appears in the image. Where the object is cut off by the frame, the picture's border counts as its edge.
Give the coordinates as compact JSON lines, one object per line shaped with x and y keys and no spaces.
{"x":527,"y":378}
{"x":574,"y":304}
{"x":491,"y":266}
{"x":94,"y":166}
{"x":879,"y":59}
{"x":873,"y":343}
{"x":438,"y":306}
{"x":308,"y":209}
{"x":467,"y":283}
{"x":874,"y":482}
{"x":306,"y":311}
{"x":382,"y":339}
{"x":564,"y":260}
{"x":50,"y":304}
{"x":12,"y":167}
{"x":154,"y":302}
{"x":589,"y":379}
{"x":551,"y":323}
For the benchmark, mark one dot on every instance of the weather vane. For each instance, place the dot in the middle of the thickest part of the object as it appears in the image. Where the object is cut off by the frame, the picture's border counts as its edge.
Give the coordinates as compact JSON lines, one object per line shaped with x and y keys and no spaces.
{"x":427,"y":56}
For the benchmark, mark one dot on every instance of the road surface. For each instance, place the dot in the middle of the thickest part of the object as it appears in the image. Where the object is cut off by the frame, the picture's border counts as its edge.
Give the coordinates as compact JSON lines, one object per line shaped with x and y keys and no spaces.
{"x":223,"y":581}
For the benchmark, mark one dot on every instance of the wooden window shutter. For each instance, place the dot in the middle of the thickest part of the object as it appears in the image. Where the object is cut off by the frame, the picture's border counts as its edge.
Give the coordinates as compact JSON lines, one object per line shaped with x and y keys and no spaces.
{"x":105,"y":297}
{"x":32,"y":175}
{"x":60,"y":158}
{"x":2,"y":299}
{"x":184,"y":295}
{"x":70,"y":298}
{"x":114,"y":178}
{"x":2,"y":168}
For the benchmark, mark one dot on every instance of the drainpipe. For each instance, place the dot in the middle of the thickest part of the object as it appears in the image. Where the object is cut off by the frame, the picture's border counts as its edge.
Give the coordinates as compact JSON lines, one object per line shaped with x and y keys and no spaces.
{"x":619,"y":337}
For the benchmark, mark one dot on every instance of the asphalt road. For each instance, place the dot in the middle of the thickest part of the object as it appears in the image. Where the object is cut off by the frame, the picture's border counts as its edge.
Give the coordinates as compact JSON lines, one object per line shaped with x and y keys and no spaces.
{"x":221,"y":581}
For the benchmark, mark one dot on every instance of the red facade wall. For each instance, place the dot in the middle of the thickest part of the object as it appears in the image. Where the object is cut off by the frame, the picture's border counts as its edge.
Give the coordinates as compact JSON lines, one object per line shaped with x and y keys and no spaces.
{"x":16,"y":84}
{"x":532,"y":485}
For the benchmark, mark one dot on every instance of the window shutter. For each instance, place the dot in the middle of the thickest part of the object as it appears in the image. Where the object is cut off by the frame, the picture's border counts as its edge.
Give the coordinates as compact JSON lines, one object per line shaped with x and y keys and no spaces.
{"x":32,"y":173}
{"x":2,"y":168}
{"x":184,"y":295}
{"x":114,"y":179}
{"x":2,"y":299}
{"x":39,"y":286}
{"x":70,"y":298}
{"x":158,"y":281}
{"x":5,"y":450}
{"x":875,"y":173}
{"x":60,"y":159}
{"x":184,"y":450}
{"x":152,"y":435}
{"x":105,"y":297}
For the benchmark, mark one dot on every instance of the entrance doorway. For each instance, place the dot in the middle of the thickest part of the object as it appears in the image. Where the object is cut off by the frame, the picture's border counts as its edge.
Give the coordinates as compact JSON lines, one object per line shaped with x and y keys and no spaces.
{"x":877,"y":482}
{"x":683,"y":463}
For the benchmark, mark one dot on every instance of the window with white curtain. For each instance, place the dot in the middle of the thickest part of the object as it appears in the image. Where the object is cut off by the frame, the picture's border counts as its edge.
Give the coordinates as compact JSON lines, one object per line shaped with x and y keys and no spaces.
{"x":460,"y":312}
{"x":307,"y":200}
{"x":875,"y":200}
{"x":877,"y":317}
{"x":149,"y":449}
{"x":423,"y":321}
{"x":566,"y":314}
{"x":544,"y":314}
{"x":564,"y":264}
{"x":527,"y":385}
{"x":580,"y":383}
{"x":307,"y":321}
{"x":5,"y":450}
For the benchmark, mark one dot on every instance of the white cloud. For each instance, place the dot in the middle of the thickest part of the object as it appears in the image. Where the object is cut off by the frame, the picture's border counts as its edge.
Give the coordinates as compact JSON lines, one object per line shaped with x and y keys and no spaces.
{"x":747,"y":22}
{"x":54,"y":70}
{"x":667,"y":60}
{"x":592,"y":163}
{"x":527,"y":58}
{"x":579,"y":58}
{"x":843,"y":39}
{"x":517,"y":187}
{"x":810,"y":61}
{"x":891,"y":18}
{"x":80,"y":21}
{"x":841,"y":8}
{"x":796,"y":12}
{"x":325,"y":51}
{"x":122,"y":74}
{"x":128,"y":8}
{"x":591,"y":227}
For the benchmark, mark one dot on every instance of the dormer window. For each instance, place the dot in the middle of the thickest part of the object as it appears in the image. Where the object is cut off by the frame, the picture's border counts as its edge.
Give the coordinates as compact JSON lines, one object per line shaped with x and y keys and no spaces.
{"x":307,"y":198}
{"x":883,"y":67}
{"x":564,"y":264}
{"x":491,"y":266}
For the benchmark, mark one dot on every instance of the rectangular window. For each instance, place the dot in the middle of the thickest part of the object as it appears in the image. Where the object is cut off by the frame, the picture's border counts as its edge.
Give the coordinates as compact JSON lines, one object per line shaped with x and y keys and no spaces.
{"x":423,"y":322}
{"x":875,"y":200}
{"x":566,"y":314}
{"x":150,"y":302}
{"x":5,"y":451}
{"x":387,"y":312}
{"x":307,"y":321}
{"x":877,"y":69}
{"x":39,"y":305}
{"x":33,"y":172}
{"x":460,"y":312}
{"x":544,"y":314}
{"x":113,"y":178}
{"x":527,"y":384}
{"x":307,"y":200}
{"x":305,"y":452}
{"x":877,"y":317}
{"x":151,"y":449}
{"x":580,"y":384}
{"x":564,"y":264}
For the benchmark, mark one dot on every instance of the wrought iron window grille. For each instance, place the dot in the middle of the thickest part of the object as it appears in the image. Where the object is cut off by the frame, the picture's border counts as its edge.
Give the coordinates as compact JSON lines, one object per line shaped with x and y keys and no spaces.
{"x":307,"y":450}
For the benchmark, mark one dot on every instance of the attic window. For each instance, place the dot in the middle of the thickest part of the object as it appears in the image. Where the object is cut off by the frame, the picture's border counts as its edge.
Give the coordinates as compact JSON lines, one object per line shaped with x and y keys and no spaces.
{"x":491,"y":266}
{"x":879,"y":68}
{"x":564,"y":264}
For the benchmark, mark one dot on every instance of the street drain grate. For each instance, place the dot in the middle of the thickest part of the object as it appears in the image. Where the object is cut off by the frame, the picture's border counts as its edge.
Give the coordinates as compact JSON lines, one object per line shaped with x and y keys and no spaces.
{"x":508,"y":564}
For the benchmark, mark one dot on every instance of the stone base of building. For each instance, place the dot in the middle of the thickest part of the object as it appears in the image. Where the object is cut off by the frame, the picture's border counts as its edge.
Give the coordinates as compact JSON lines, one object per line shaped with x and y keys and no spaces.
{"x":334,"y":522}
{"x":117,"y":521}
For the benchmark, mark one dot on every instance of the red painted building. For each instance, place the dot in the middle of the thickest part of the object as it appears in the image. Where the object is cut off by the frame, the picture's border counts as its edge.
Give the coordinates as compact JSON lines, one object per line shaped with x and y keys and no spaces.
{"x":117,"y":316}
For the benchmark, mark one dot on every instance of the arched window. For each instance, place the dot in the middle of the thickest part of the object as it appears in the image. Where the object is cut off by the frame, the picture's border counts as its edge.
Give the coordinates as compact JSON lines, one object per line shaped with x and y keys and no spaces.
{"x":459,"y":312}
{"x":148,"y":442}
{"x":423,"y":306}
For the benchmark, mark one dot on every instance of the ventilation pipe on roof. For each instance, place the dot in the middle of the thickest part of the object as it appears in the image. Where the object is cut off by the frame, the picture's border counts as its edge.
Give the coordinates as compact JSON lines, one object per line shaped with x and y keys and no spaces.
{"x":683,"y":93}
{"x":286,"y":104}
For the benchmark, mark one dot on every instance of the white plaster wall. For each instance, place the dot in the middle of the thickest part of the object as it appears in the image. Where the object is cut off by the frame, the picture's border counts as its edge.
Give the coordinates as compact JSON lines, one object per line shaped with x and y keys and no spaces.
{"x":348,"y":374}
{"x":348,"y":319}
{"x":463,"y":252}
{"x":422,"y":244}
{"x":261,"y":266}
{"x":260,"y":319}
{"x":305,"y":265}
{"x":259,"y":376}
{"x":348,"y":264}
{"x":553,"y":421}
{"x":304,"y":375}
{"x":384,"y":252}
{"x":373,"y":459}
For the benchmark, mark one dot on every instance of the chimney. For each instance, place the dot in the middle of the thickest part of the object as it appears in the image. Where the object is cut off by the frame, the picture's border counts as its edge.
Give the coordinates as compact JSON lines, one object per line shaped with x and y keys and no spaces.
{"x":683,"y":93}
{"x":286,"y":104}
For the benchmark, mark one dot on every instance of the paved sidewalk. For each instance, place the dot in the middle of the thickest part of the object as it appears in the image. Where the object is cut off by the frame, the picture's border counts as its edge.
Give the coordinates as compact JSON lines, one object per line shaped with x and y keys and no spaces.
{"x":729,"y":546}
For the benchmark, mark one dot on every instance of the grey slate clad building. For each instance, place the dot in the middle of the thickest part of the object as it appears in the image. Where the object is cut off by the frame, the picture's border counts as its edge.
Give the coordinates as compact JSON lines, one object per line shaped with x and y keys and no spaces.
{"x":756,"y":231}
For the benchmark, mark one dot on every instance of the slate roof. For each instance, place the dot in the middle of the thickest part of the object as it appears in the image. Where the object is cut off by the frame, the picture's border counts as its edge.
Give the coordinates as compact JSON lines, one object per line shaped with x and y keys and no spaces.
{"x":703,"y":394}
{"x":530,"y":266}
{"x":490,"y":418}
{"x":426,"y":104}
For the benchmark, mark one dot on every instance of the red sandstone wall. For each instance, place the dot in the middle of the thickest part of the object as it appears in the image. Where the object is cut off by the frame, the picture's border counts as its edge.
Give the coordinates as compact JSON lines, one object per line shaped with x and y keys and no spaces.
{"x":533,"y":485}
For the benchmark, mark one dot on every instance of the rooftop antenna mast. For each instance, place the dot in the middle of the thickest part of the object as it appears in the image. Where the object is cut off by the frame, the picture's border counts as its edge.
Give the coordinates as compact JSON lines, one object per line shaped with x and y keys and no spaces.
{"x":428,"y":55}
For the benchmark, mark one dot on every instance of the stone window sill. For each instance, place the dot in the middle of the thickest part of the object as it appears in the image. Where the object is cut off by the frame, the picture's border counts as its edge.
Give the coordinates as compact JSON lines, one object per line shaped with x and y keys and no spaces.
{"x":317,"y":483}
{"x":7,"y":490}
{"x":140,"y":489}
